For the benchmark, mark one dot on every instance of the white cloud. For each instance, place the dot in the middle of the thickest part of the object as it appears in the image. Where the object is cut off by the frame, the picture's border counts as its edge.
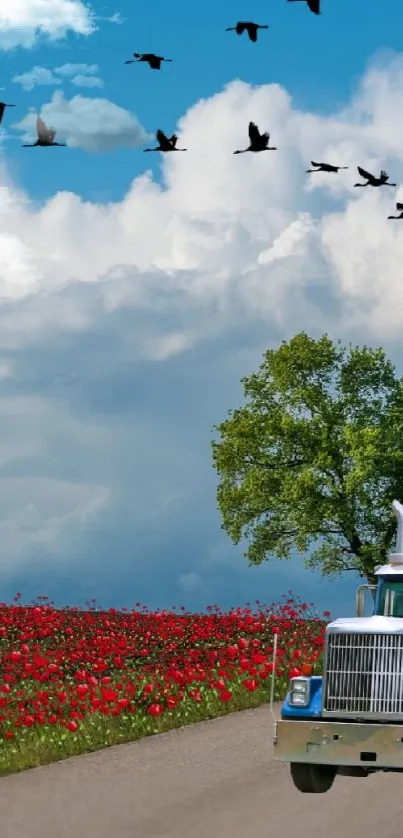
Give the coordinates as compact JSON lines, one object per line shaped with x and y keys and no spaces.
{"x":39,"y":511}
{"x":293,"y":241}
{"x":6,"y":370}
{"x":23,"y":21}
{"x":250,"y":230}
{"x":81,"y":75}
{"x":72,"y":69}
{"x":115,"y":18}
{"x":94,"y":125}
{"x":35,"y":77}
{"x":189,"y":582}
{"x":87,"y":81}
{"x":125,"y":327}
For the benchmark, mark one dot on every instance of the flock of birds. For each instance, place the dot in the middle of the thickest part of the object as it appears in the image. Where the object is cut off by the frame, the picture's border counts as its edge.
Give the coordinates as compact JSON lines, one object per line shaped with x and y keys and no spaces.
{"x":257,"y":141}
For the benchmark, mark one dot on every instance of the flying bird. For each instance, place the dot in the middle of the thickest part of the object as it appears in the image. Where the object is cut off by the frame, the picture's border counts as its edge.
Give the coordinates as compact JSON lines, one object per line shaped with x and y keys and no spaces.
{"x":249,"y":27}
{"x":382,"y":180}
{"x":325,"y":167}
{"x":154,"y":61}
{"x":313,"y":5}
{"x":3,"y":106}
{"x":258,"y":141}
{"x":398,"y":207}
{"x":46,"y":136}
{"x":165,"y":143}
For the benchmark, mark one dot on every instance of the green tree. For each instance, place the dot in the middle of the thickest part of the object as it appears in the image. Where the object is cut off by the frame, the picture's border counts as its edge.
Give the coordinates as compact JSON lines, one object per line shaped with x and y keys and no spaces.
{"x":315,"y":457}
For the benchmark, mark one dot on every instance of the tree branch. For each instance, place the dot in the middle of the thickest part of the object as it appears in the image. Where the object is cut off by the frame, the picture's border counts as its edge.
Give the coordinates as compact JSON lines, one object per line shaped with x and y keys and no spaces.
{"x":388,"y":534}
{"x":346,"y":567}
{"x":250,"y":461}
{"x":285,"y":532}
{"x":331,"y":532}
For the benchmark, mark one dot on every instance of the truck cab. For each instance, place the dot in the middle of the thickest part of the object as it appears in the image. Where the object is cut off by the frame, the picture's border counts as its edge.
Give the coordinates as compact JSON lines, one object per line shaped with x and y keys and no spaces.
{"x":388,"y":592}
{"x":349,"y":720}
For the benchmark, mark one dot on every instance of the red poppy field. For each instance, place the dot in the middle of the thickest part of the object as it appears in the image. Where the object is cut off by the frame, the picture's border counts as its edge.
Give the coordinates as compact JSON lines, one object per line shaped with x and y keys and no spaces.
{"x":73,"y":681}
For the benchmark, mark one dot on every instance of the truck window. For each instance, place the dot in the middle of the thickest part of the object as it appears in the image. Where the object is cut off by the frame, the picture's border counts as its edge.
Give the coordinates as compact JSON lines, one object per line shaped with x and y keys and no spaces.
{"x":390,"y":603}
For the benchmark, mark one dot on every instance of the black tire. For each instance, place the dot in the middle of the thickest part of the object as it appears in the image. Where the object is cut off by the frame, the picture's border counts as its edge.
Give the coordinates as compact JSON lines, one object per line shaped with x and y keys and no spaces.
{"x":312,"y":779}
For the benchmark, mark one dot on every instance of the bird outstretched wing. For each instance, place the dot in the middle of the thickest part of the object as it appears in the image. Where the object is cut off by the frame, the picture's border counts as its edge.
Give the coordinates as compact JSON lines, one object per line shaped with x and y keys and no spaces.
{"x":399,"y":206}
{"x":154,"y":62}
{"x":252,"y":31}
{"x":364,"y":173}
{"x":42,"y":129}
{"x":254,"y":133}
{"x":162,"y":138}
{"x":51,"y":134}
{"x":315,"y":164}
{"x":173,"y":140}
{"x":240,"y":27}
{"x":314,"y":6}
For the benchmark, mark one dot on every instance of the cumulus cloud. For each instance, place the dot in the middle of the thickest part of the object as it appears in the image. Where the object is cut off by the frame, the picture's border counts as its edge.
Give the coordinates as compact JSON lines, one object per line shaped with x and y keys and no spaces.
{"x":36,"y":77}
{"x":43,"y":512}
{"x":22,"y":22}
{"x":188,"y":582}
{"x":293,"y":241}
{"x":81,"y":75}
{"x":94,"y":125}
{"x":72,"y":69}
{"x":126,"y":326}
{"x":115,"y":18}
{"x":40,"y":510}
{"x":249,"y":230}
{"x":87,"y":81}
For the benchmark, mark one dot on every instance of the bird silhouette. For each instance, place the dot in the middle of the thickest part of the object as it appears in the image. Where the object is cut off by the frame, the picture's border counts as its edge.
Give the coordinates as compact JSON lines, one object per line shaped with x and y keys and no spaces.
{"x":154,"y":61}
{"x":3,"y":106}
{"x":258,"y":141}
{"x":249,"y":27}
{"x":398,"y":207}
{"x":325,"y":167}
{"x":382,"y":180}
{"x":46,"y":136}
{"x":165,"y":143}
{"x":313,"y":5}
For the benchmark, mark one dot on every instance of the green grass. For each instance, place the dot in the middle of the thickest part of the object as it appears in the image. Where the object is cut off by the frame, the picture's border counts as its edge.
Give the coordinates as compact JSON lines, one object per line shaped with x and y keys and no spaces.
{"x":47,"y":744}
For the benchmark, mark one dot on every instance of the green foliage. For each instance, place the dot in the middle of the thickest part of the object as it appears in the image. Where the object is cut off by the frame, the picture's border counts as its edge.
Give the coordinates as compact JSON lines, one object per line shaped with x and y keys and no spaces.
{"x":315,"y":457}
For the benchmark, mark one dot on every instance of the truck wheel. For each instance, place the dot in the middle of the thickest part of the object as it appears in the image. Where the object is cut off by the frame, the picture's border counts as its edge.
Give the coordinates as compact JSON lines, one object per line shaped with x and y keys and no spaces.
{"x":312,"y":779}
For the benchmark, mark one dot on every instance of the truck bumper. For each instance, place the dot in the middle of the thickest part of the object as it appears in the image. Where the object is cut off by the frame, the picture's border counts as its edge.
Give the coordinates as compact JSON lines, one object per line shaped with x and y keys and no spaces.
{"x":339,"y":743}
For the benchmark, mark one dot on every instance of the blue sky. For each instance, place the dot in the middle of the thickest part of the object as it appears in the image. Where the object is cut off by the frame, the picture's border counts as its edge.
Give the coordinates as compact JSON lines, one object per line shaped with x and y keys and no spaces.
{"x":318,"y":60}
{"x":136,"y":292}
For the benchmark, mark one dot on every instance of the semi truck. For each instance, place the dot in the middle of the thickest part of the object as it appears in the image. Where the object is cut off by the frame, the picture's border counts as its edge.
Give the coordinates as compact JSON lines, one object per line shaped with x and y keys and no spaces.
{"x":349,"y":720}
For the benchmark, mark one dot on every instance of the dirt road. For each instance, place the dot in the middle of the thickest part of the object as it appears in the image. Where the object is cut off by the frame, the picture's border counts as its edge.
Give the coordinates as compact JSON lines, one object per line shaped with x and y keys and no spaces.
{"x":216,"y":778}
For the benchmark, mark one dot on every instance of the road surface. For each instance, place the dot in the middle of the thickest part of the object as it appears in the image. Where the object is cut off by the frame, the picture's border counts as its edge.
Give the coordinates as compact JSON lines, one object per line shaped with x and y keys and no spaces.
{"x":215,"y":778}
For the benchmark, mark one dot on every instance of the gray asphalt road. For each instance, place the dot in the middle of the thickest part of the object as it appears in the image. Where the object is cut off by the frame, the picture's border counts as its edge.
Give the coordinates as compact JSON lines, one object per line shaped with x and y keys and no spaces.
{"x":216,"y":778}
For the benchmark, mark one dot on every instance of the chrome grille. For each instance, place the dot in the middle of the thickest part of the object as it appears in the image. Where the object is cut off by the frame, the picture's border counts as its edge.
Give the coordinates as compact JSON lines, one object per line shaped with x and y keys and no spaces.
{"x":363,"y":674}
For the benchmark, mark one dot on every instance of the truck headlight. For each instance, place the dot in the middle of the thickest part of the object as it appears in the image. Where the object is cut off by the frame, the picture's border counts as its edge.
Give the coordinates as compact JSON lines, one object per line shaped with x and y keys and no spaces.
{"x":300,"y":691}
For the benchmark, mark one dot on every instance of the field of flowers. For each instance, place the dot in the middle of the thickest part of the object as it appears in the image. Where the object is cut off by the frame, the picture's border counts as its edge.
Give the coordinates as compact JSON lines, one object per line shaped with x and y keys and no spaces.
{"x":73,"y":681}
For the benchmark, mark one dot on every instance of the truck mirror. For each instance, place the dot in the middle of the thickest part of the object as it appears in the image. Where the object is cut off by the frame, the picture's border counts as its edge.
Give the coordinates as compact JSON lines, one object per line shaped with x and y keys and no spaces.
{"x":361,"y":599}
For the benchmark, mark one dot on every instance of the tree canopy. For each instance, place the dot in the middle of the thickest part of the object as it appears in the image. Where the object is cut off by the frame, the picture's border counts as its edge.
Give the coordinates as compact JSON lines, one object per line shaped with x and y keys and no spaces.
{"x":314,"y":458}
